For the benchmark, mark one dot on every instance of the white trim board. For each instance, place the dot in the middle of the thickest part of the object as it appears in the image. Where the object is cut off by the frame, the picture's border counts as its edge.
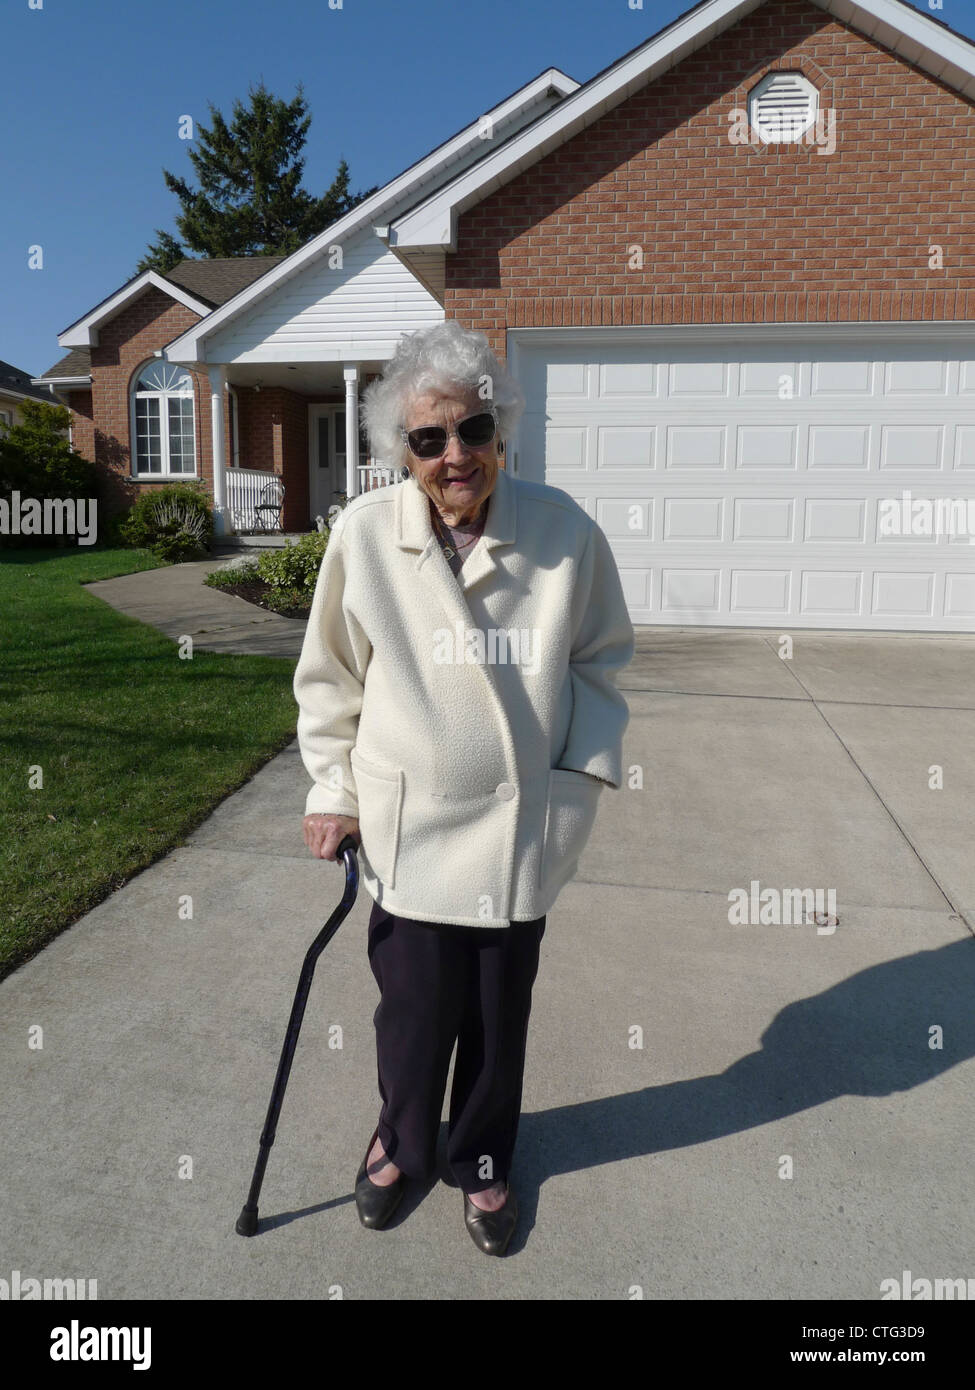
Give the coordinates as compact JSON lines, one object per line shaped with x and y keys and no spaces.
{"x":84,"y":333}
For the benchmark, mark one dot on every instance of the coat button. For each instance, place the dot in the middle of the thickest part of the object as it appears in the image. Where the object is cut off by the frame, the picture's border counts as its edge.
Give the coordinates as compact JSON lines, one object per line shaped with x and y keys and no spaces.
{"x":504,"y":791}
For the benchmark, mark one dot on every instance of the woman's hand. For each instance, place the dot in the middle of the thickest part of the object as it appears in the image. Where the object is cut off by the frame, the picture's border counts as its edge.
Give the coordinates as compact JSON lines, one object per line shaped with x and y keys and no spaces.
{"x":323,"y":834}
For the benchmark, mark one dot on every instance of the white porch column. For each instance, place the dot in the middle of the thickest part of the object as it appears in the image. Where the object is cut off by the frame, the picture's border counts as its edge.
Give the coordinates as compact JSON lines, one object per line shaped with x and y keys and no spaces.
{"x":351,"y":374}
{"x":218,"y":390}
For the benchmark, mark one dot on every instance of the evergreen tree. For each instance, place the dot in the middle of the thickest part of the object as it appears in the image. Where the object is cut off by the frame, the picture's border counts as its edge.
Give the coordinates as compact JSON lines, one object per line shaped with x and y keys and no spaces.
{"x":250,"y":202}
{"x":162,"y":255}
{"x":37,"y":459}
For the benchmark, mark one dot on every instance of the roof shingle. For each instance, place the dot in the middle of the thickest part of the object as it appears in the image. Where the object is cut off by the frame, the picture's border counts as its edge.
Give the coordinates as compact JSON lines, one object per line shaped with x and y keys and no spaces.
{"x":13,"y":379}
{"x":218,"y":278}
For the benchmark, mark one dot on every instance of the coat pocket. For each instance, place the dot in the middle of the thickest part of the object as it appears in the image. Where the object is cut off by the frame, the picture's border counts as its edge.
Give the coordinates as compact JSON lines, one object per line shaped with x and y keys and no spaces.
{"x":380,"y":792}
{"x":573,"y":799}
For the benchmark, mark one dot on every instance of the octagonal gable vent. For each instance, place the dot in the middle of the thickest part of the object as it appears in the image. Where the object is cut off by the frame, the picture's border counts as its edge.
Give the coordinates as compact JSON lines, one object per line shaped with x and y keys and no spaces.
{"x":783,"y":106}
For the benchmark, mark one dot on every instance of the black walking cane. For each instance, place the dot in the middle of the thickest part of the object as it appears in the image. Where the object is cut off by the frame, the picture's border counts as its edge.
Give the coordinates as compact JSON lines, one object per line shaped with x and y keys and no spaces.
{"x":247,"y":1220}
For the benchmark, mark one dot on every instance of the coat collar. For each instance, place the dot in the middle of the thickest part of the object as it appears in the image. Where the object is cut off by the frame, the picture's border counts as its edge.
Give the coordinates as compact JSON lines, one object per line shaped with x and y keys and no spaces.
{"x":414,"y":531}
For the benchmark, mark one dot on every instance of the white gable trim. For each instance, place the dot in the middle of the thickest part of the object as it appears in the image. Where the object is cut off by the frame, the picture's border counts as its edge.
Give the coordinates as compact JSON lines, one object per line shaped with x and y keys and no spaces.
{"x":909,"y":34}
{"x":84,"y":333}
{"x":62,"y":383}
{"x":402,"y":191}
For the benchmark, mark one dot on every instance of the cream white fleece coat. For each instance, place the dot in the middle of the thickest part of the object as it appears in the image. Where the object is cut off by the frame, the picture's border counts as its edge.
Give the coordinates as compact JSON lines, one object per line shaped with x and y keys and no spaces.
{"x":475,"y":776}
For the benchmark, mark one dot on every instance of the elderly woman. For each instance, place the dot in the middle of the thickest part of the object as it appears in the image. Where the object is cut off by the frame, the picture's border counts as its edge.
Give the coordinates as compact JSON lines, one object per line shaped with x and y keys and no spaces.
{"x":459,"y":718}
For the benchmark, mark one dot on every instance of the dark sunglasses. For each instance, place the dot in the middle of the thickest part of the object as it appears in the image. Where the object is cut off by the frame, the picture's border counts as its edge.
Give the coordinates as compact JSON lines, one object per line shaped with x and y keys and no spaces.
{"x":430,"y":441}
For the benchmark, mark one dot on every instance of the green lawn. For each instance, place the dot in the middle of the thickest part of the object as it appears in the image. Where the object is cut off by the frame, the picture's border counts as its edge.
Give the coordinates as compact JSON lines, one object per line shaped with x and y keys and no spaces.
{"x":135,"y":745}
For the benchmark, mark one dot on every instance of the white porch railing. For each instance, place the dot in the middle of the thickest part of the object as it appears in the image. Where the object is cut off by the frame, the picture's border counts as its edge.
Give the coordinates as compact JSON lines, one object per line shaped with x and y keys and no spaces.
{"x":377,"y":475}
{"x":244,"y":488}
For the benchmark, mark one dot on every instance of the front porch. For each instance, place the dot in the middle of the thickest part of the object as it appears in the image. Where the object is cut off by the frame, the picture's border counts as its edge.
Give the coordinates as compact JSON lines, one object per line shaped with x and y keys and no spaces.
{"x":287,"y":445}
{"x":256,"y":503}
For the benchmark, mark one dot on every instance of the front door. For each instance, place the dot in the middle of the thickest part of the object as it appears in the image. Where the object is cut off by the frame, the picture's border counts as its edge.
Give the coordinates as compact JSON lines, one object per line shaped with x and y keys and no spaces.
{"x":326,"y":457}
{"x":326,"y":461}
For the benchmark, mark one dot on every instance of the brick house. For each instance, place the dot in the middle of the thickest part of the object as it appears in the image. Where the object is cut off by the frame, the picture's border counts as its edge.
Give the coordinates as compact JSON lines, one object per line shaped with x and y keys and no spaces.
{"x":733,"y":273}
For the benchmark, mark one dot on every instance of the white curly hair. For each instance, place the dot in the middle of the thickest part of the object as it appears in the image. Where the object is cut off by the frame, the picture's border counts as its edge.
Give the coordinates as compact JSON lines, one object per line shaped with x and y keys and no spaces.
{"x":440,"y":359}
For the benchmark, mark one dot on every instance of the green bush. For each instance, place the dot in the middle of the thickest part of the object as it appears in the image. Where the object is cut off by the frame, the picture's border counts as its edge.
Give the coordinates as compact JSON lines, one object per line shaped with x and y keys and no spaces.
{"x":37,"y":461}
{"x":230,"y":575}
{"x":292,"y":573}
{"x":110,"y":530}
{"x":174,"y":521}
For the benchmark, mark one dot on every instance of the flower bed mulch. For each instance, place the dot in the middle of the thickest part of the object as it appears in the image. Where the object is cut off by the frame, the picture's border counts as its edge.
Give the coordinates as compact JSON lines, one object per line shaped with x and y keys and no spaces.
{"x":257,"y":591}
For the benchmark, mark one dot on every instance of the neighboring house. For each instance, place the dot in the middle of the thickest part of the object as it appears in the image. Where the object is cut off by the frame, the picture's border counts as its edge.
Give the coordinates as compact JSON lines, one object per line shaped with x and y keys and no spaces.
{"x":15,"y":388}
{"x":734,"y":346}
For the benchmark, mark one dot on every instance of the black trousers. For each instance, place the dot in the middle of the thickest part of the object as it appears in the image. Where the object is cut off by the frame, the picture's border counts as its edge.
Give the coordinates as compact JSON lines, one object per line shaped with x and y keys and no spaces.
{"x":440,"y":984}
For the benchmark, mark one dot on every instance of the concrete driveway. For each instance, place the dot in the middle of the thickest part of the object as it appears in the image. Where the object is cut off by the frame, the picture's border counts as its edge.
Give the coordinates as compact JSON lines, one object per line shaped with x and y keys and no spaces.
{"x":711,"y":1110}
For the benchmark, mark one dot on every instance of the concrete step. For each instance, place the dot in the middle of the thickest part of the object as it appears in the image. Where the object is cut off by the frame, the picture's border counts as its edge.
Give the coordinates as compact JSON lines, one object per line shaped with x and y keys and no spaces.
{"x":269,"y":540}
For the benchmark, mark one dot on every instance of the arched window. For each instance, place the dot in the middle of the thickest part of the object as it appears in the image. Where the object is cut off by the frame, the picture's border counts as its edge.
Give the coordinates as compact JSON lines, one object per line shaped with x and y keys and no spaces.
{"x":163,"y":437}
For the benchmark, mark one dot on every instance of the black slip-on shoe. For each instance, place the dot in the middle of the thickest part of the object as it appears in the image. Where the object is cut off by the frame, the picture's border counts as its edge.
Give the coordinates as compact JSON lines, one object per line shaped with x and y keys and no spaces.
{"x":491,"y":1230}
{"x":376,"y":1204}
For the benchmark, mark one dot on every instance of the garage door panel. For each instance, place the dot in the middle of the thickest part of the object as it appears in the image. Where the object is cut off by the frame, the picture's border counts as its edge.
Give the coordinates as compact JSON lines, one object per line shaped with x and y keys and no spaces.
{"x":960,"y":597}
{"x":741,"y":483}
{"x":764,"y":519}
{"x":625,"y":446}
{"x":760,"y":593}
{"x":766,"y":380}
{"x":846,"y":447}
{"x":903,"y":595}
{"x":850,"y":377}
{"x":842,"y":520}
{"x":912,"y":448}
{"x":628,"y":381}
{"x":831,"y":593}
{"x":918,"y":376}
{"x":697,"y":446}
{"x":964,"y":450}
{"x":626,"y":518}
{"x":768,"y":446}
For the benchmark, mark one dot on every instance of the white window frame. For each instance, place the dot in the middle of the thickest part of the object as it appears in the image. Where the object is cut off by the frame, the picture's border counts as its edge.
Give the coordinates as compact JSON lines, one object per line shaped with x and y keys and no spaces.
{"x":162,"y":396}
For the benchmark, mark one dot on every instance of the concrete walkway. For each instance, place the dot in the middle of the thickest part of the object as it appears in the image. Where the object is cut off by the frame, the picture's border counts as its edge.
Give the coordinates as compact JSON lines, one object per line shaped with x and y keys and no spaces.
{"x":767,"y":1050}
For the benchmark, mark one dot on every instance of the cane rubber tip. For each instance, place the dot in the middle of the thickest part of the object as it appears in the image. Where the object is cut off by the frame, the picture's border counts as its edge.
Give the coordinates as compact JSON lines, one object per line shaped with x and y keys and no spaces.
{"x":247,"y":1223}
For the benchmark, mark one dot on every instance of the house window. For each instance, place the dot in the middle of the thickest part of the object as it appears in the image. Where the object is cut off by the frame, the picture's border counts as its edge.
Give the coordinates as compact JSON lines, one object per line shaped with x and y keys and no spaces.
{"x":163,"y":434}
{"x":783,"y":106}
{"x":6,"y":421}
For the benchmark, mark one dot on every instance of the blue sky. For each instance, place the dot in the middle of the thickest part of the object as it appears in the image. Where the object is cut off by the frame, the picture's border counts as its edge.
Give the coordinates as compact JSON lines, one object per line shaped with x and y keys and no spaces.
{"x":92,"y":94}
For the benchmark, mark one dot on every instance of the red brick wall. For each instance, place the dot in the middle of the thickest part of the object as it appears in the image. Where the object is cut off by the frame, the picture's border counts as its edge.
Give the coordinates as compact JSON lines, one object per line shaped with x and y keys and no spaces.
{"x":737,"y":233}
{"x":125,"y":343}
{"x":82,"y":422}
{"x":274,"y":437}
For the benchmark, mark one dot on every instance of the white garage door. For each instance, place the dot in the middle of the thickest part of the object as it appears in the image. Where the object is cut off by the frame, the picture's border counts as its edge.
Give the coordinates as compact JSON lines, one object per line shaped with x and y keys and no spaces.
{"x":766,"y":478}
